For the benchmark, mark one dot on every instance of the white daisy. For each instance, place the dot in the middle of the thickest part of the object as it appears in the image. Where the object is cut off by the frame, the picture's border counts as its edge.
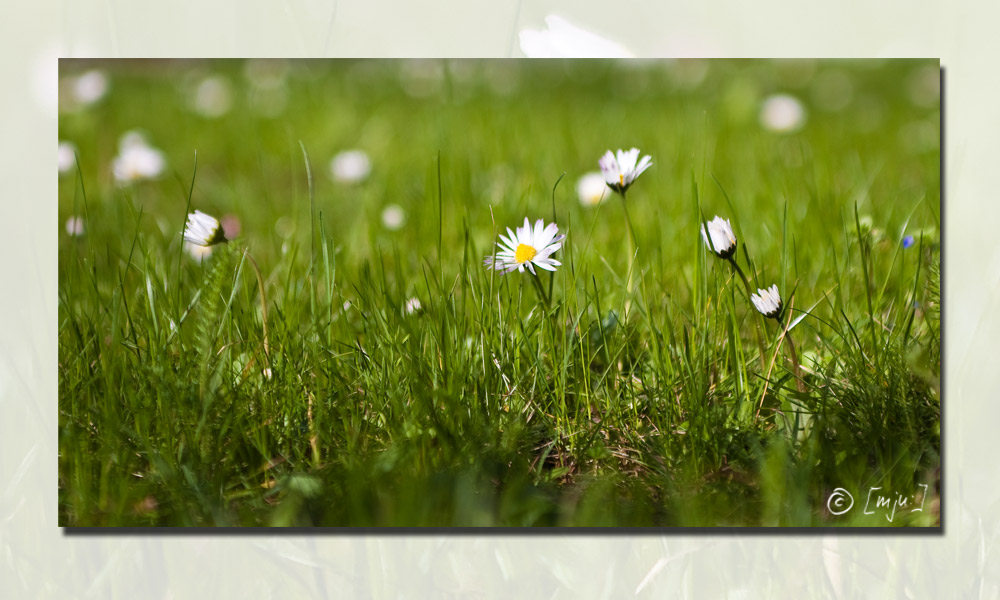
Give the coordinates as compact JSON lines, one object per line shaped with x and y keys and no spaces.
{"x":213,"y":97}
{"x":528,"y":247}
{"x":90,"y":87}
{"x":67,"y":157}
{"x":723,"y":240}
{"x":562,"y":39}
{"x":782,"y":113}
{"x":350,"y":166}
{"x":136,"y":159}
{"x":412,"y":305}
{"x":203,"y":230}
{"x":591,"y":188}
{"x":393,"y":217}
{"x":75,"y":227}
{"x":768,"y":302}
{"x":619,"y":172}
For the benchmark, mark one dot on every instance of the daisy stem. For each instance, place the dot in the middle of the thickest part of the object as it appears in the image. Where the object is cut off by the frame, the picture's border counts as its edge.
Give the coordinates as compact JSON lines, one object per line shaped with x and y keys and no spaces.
{"x":760,"y":337}
{"x":263,"y":303}
{"x":631,"y":253}
{"x":541,"y":292}
{"x":799,"y":384}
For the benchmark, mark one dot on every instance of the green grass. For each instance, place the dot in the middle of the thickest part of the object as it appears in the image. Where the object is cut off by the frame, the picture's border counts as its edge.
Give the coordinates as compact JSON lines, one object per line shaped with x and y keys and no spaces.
{"x":490,"y":406}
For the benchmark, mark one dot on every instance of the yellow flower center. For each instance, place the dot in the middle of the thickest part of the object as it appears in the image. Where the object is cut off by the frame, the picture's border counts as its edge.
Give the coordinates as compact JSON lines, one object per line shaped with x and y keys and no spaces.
{"x":621,"y":179}
{"x":524,"y":253}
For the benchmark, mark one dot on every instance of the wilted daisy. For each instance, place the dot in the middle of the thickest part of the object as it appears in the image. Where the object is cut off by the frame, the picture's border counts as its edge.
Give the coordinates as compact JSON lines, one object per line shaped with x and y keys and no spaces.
{"x":768,"y":302}
{"x":723,"y":240}
{"x":621,"y":170}
{"x":203,"y":230}
{"x":74,"y":226}
{"x":350,"y":166}
{"x":412,"y":306}
{"x":67,"y":157}
{"x":591,"y":188}
{"x":527,"y":247}
{"x":136,"y":159}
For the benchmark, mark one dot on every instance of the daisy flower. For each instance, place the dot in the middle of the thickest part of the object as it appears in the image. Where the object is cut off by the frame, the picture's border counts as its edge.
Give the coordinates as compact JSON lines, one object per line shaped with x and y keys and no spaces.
{"x":412,"y":305}
{"x":591,"y":189}
{"x":621,"y":170}
{"x":136,"y":159}
{"x":203,"y":230}
{"x":562,"y":39}
{"x":350,"y":166}
{"x":527,"y":247}
{"x":723,"y":240}
{"x":768,"y":302}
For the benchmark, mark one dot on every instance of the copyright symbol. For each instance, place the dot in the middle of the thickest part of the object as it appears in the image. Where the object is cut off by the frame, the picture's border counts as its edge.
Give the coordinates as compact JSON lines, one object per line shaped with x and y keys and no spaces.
{"x":839,"y":502}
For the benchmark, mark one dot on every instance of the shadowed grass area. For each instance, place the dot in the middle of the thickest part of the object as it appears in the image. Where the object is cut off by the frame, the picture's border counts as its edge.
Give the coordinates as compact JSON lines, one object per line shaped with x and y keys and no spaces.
{"x":501,"y":401}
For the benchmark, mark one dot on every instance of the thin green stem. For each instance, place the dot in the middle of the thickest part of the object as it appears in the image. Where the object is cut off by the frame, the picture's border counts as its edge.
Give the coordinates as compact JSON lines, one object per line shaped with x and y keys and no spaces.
{"x":757,"y":328}
{"x":631,"y":254}
{"x":263,"y":303}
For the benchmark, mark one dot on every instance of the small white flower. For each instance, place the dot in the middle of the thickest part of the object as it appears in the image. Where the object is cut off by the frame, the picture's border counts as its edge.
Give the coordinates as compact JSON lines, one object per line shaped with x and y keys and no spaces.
{"x":199,"y":253}
{"x":782,"y":113}
{"x":393,"y":217}
{"x":136,"y":159}
{"x":412,"y":306}
{"x":723,"y":240}
{"x":212,"y":98}
{"x":591,"y":188}
{"x":768,"y":302}
{"x":67,"y":157}
{"x":203,"y":230}
{"x":528,"y":247}
{"x":74,"y":226}
{"x":564,"y":40}
{"x":619,"y":172}
{"x":350,"y":166}
{"x":90,"y":87}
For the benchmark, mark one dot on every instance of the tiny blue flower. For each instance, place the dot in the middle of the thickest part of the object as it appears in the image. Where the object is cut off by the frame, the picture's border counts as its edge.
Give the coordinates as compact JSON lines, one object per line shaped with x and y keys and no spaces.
{"x":908,"y":241}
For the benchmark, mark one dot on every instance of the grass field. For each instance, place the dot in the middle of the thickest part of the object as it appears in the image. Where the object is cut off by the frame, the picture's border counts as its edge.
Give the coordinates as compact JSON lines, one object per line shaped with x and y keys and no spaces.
{"x":570,"y":398}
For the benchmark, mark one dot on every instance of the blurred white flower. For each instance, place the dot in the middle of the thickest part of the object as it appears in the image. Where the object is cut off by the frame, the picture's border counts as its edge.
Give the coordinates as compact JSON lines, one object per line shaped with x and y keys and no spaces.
{"x":591,"y":188}
{"x":74,"y":226}
{"x":562,"y":39}
{"x":212,"y":98}
{"x":412,"y":305}
{"x":723,"y":240}
{"x":199,"y":253}
{"x":768,"y":302}
{"x":89,"y":87}
{"x":203,"y":230}
{"x":620,"y":172}
{"x":350,"y":166}
{"x":393,"y":217}
{"x":782,"y":113}
{"x":67,"y":157}
{"x":136,"y":159}
{"x":531,"y":247}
